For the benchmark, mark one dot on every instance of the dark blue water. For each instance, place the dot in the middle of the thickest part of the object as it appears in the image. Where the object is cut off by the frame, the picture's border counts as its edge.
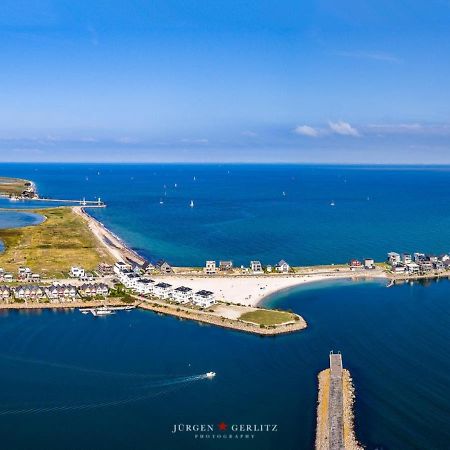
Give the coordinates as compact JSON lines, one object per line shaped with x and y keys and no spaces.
{"x":394,"y":341}
{"x":241,"y":214}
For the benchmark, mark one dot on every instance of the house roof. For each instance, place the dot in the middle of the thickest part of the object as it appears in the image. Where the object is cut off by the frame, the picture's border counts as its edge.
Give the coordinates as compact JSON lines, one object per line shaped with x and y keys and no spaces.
{"x":204,"y":293}
{"x":163,"y":285}
{"x":183,"y":289}
{"x":282,"y":263}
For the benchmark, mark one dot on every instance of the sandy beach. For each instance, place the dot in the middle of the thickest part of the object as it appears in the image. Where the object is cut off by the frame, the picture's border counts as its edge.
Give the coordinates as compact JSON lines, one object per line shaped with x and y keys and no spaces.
{"x":250,"y":290}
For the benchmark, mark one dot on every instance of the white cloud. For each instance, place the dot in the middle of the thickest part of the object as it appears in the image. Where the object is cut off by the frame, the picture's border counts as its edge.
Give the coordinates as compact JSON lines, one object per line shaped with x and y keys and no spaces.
{"x":376,"y":55}
{"x":343,"y":128}
{"x":306,"y":130}
{"x":195,"y":141}
{"x":249,"y":133}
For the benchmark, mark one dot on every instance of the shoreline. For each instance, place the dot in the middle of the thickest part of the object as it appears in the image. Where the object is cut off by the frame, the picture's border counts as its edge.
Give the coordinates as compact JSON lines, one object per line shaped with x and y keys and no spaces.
{"x":179,"y":312}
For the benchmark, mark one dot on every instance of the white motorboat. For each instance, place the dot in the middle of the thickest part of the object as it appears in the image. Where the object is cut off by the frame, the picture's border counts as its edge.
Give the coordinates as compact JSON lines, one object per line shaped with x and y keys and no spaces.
{"x":191,"y":204}
{"x":210,"y":374}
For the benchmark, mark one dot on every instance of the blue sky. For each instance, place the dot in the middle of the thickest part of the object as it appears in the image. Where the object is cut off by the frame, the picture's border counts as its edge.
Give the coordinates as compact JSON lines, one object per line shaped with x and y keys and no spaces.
{"x":235,"y":80}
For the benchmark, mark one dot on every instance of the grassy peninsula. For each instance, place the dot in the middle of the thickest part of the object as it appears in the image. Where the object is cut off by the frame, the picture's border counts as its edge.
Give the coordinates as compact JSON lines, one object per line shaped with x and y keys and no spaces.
{"x":53,"y":246}
{"x":13,"y":186}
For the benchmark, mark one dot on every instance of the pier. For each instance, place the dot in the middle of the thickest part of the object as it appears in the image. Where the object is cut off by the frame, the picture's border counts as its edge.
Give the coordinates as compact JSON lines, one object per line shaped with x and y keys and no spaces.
{"x":336,"y":404}
{"x":85,"y":203}
{"x":335,"y":429}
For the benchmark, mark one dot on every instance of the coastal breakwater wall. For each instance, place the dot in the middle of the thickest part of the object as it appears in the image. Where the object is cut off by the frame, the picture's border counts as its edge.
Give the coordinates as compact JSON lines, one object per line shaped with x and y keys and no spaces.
{"x":335,"y":420}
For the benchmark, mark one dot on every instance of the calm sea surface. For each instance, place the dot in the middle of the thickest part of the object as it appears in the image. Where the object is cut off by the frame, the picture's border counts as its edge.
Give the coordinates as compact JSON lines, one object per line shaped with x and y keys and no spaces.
{"x":74,"y":382}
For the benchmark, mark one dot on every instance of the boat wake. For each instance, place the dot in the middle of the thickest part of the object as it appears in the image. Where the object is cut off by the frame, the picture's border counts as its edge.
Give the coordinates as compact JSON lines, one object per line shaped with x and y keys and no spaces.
{"x":150,"y":390}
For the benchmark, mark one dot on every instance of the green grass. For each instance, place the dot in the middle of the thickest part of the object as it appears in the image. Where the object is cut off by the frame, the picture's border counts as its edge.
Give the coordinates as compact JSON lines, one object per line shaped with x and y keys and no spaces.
{"x":10,"y":186}
{"x":267,"y":317}
{"x":52,"y":247}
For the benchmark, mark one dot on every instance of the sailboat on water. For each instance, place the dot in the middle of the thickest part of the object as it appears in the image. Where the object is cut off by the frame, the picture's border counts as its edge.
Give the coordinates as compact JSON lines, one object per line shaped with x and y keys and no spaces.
{"x":191,"y":205}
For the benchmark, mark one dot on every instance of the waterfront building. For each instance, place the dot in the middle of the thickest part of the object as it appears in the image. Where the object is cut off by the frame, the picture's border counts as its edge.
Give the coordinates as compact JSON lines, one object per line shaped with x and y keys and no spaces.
{"x":369,"y":263}
{"x":269,"y":268}
{"x":425,"y":266}
{"x":144,"y":286}
{"x":164,"y":266}
{"x":5,"y":292}
{"x":31,"y":292}
{"x":147,"y":266}
{"x":93,"y":289}
{"x":182,"y":294}
{"x":282,"y":266}
{"x":439,"y":265}
{"x":163,"y":290}
{"x":105,"y":269}
{"x":355,"y":264}
{"x":204,"y":299}
{"x":61,"y":292}
{"x":399,"y":268}
{"x":418,"y":257}
{"x":406,"y":258}
{"x":77,"y":272}
{"x":35,"y":277}
{"x":412,"y":267}
{"x":394,"y":258}
{"x":210,"y":268}
{"x":8,"y":277}
{"x":225,"y":265}
{"x":120,"y":267}
{"x":256,"y":267}
{"x":130,"y":280}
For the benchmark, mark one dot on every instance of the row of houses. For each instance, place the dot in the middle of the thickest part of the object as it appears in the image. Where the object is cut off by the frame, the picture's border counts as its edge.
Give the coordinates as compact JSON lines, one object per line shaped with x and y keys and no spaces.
{"x":146,"y":286}
{"x":418,"y":263}
{"x":23,"y":274}
{"x":255,"y":267}
{"x":60,"y":292}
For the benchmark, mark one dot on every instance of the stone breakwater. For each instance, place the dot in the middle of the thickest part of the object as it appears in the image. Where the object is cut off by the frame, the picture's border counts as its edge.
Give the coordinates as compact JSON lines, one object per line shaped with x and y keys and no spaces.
{"x":220,"y":321}
{"x":325,"y":433}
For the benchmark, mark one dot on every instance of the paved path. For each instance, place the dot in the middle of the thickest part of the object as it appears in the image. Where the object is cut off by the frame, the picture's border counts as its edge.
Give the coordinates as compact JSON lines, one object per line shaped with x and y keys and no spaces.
{"x":336,"y":404}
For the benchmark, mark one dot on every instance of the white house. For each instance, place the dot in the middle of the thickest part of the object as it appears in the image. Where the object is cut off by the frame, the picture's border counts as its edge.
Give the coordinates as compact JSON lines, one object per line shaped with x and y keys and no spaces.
{"x":93,"y":289}
{"x":182,"y":294}
{"x":61,"y":292}
{"x":8,"y":277}
{"x":29,"y":292}
{"x":24,"y":273}
{"x":256,"y":267}
{"x":282,"y":266}
{"x":210,"y":268}
{"x":130,"y":280}
{"x":120,"y":266}
{"x":369,"y":263}
{"x":412,"y":267}
{"x":77,"y":272}
{"x":393,"y":258}
{"x":406,"y":258}
{"x":144,"y":286}
{"x":163,"y":290}
{"x":204,"y":299}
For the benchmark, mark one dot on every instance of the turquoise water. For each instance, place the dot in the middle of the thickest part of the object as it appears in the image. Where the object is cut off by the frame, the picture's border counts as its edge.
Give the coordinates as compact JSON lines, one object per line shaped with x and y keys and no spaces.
{"x":241,"y":214}
{"x":394,"y":341}
{"x":115,"y":383}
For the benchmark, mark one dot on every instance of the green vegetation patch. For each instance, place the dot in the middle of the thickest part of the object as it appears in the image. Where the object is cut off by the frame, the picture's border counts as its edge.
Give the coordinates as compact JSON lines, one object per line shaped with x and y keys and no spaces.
{"x":268,"y":317}
{"x":52,"y":247}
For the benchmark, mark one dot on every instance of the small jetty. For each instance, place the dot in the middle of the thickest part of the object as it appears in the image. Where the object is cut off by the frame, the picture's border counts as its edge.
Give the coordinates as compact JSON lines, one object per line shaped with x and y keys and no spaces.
{"x":85,"y":203}
{"x":335,"y":428}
